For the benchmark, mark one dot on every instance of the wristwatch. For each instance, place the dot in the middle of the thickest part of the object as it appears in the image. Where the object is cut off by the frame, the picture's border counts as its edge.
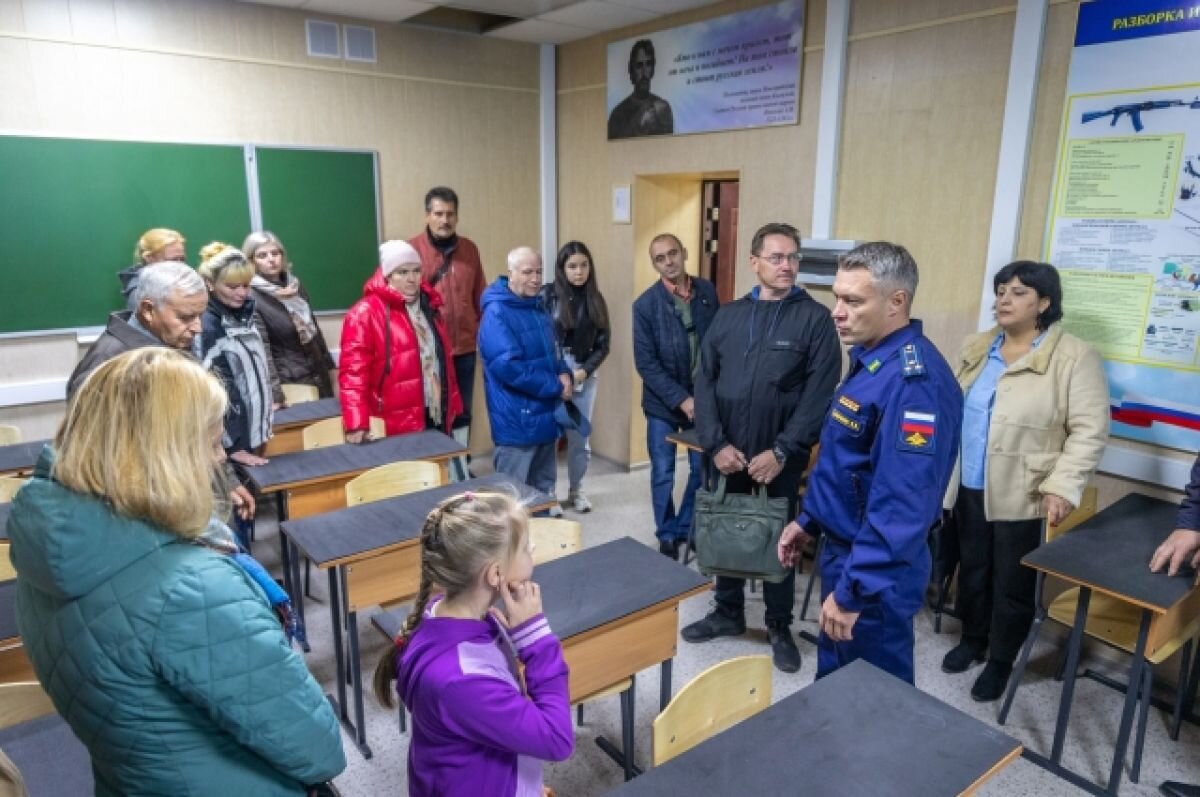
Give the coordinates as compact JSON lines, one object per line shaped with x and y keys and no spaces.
{"x":780,"y":455}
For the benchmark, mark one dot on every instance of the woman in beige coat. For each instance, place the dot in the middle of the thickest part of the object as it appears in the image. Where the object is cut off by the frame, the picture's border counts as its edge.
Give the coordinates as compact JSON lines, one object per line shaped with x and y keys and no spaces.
{"x":1035,"y":421}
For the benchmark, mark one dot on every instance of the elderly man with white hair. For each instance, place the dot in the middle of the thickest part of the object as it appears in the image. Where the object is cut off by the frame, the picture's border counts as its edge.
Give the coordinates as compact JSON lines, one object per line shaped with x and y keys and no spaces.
{"x":524,"y":378}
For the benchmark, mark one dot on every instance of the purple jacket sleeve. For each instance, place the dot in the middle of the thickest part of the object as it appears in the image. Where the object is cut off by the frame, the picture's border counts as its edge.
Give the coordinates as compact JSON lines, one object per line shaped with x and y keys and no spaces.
{"x":490,"y":712}
{"x":1189,"y":508}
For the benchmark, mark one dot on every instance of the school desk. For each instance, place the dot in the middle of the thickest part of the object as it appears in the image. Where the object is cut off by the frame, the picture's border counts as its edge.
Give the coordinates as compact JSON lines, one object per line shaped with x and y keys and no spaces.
{"x":686,"y":438}
{"x":289,"y":423}
{"x":858,"y":732}
{"x":371,"y":554}
{"x":1110,"y":553}
{"x":616,"y":609}
{"x":51,"y":759}
{"x":18,"y":459}
{"x":14,"y":665}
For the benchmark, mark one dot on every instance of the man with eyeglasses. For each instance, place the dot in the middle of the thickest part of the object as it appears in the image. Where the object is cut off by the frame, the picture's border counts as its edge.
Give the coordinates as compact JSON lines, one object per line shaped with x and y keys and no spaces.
{"x":768,"y":368}
{"x":669,"y":320}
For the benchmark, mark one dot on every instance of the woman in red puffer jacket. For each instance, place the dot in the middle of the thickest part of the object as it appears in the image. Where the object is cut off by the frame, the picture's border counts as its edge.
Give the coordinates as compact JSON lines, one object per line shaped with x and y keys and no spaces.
{"x":394,"y":352}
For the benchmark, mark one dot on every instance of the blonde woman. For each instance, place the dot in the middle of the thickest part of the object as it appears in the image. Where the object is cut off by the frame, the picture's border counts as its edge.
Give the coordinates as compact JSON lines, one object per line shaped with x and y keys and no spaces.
{"x":160,"y":652}
{"x":155,"y":246}
{"x":297,"y":346}
{"x":233,"y":345}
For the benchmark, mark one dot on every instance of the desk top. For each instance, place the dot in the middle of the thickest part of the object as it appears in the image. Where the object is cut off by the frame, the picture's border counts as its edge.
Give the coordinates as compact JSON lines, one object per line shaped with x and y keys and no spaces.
{"x":50,"y":758}
{"x":5,"y":510}
{"x":587,"y":589}
{"x":346,"y":533}
{"x":306,"y":412}
{"x":856,"y":732}
{"x":688,"y":438}
{"x":20,"y":456}
{"x":8,"y":609}
{"x":1111,"y":552}
{"x":284,"y":470}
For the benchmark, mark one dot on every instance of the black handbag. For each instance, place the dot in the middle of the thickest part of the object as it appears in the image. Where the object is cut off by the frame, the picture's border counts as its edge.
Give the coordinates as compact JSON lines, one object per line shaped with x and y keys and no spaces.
{"x":737,"y":534}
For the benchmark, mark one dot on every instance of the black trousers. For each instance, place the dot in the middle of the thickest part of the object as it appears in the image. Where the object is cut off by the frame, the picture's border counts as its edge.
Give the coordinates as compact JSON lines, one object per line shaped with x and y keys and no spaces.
{"x":995,"y":591}
{"x":730,"y":593}
{"x":464,"y":371}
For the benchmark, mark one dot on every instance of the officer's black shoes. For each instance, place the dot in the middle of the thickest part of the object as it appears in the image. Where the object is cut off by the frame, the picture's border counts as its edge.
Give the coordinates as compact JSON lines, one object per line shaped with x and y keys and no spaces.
{"x":715,"y":624}
{"x":990,"y":684}
{"x":784,"y":652}
{"x":1173,"y":788}
{"x":669,"y":548}
{"x":961,"y":657}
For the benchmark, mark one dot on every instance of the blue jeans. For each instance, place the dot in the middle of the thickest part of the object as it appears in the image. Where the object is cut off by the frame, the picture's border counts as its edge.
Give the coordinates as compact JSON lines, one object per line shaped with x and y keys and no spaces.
{"x":579,"y":450}
{"x":669,"y":526}
{"x":532,"y":465}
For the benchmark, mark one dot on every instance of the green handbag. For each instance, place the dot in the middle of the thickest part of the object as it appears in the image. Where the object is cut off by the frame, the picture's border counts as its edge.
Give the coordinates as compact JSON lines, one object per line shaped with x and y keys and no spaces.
{"x":737,"y":534}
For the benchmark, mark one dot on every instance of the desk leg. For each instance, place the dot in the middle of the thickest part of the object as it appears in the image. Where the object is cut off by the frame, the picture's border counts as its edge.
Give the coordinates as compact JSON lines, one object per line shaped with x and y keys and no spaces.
{"x":1131,"y":697}
{"x":664,"y":683}
{"x":624,"y":757}
{"x":355,"y":663}
{"x":1014,"y":679}
{"x":284,"y":553}
{"x":1068,"y":691}
{"x":335,"y":619}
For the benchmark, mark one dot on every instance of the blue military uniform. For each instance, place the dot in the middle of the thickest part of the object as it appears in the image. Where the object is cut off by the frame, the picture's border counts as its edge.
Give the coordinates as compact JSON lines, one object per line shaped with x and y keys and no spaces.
{"x":888,"y":447}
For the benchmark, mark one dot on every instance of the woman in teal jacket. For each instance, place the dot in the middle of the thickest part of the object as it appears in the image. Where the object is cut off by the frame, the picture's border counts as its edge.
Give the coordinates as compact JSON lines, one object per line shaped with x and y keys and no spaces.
{"x":160,"y":652}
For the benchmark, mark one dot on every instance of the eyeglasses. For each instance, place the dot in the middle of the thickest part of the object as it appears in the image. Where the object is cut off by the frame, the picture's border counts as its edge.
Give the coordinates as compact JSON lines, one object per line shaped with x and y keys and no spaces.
{"x":778,"y":259}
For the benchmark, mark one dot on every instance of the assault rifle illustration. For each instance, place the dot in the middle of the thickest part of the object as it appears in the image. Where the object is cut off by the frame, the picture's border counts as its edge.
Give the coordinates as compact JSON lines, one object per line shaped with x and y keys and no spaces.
{"x":1135,"y":111}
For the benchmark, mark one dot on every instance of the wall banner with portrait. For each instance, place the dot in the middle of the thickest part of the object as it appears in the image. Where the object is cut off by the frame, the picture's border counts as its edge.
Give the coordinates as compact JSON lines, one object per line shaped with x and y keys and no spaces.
{"x":1124,"y":226}
{"x":736,"y":71}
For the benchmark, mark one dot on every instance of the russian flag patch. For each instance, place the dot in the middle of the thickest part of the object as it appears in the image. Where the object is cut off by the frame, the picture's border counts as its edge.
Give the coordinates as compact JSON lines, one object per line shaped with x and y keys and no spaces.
{"x":917,"y":430}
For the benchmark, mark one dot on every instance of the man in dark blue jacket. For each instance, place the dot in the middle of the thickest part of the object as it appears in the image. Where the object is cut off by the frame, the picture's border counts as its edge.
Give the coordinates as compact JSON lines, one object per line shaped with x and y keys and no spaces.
{"x":669,"y":321}
{"x":524,"y":379}
{"x":767,"y":370}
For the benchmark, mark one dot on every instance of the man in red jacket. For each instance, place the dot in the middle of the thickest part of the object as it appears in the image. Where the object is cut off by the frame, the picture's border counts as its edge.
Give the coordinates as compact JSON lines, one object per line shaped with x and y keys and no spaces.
{"x":450,"y":263}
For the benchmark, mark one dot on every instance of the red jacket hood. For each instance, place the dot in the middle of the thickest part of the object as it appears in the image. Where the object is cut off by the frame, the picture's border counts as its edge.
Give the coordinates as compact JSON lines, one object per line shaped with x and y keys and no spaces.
{"x":376,"y":285}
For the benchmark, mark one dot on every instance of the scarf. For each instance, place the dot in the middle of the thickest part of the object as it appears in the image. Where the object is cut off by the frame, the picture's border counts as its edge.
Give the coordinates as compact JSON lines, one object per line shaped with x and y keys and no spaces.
{"x":431,"y":377}
{"x":289,"y":296}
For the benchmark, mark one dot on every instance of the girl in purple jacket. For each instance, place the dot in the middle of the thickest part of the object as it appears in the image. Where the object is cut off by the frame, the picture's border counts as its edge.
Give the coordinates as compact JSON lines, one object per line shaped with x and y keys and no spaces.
{"x":480,"y":726}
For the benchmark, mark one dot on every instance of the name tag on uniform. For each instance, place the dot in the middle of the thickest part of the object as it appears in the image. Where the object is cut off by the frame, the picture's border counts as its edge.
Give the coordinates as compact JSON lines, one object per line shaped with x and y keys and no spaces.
{"x":917,"y":430}
{"x":854,"y":424}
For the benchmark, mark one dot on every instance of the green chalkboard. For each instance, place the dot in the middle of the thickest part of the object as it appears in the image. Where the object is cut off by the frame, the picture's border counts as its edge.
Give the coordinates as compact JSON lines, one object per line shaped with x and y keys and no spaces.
{"x":322,"y":205}
{"x":71,"y":211}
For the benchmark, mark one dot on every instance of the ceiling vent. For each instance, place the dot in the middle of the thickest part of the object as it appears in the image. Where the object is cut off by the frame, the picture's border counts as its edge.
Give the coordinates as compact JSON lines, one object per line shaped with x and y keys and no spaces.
{"x":323,"y":39}
{"x":360,"y":43}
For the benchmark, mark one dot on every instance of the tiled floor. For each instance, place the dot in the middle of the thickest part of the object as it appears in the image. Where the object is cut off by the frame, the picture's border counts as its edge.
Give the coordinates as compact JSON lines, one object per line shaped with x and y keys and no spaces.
{"x":622,"y":507}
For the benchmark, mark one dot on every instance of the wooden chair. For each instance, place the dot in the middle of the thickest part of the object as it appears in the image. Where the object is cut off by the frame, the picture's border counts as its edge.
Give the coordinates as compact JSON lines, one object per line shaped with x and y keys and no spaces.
{"x":299,"y":394}
{"x":9,"y":486}
{"x":554,"y":537}
{"x":23,"y":701}
{"x":716,"y":699}
{"x":7,"y":572}
{"x":391,"y":480}
{"x":9,"y":435}
{"x":329,"y":432}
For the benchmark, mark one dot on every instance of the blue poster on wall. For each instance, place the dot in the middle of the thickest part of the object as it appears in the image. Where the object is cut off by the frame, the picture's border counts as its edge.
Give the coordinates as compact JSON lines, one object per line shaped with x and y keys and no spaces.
{"x":1125,"y":214}
{"x":736,"y":71}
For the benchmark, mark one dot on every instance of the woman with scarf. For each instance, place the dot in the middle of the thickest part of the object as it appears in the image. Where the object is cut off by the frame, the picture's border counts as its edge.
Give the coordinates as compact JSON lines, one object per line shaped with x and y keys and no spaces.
{"x":582,"y":329}
{"x":233,"y":345}
{"x":298,"y":348}
{"x":395,"y":358}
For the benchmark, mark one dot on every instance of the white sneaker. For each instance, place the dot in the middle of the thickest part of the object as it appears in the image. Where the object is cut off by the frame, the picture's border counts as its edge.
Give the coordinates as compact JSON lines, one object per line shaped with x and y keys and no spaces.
{"x":579,"y":502}
{"x":555,"y":510}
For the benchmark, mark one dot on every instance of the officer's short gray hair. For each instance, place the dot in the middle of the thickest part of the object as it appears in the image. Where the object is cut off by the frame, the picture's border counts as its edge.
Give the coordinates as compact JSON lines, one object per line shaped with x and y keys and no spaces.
{"x":891,"y":266}
{"x":159,"y":281}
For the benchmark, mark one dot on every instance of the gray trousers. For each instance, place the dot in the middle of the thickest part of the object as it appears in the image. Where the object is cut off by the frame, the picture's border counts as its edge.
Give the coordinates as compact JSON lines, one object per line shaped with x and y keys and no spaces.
{"x":533,"y":465}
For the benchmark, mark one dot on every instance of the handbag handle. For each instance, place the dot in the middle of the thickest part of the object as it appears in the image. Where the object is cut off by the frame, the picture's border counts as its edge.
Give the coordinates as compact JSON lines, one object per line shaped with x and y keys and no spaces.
{"x":760,"y":492}
{"x":720,"y":494}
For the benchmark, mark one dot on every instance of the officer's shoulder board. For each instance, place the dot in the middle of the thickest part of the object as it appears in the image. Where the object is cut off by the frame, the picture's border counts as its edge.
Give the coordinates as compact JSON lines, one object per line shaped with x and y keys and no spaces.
{"x":912,"y":364}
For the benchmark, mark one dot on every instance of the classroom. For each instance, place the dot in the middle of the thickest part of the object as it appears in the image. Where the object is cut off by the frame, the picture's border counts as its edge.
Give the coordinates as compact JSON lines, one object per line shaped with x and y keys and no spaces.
{"x":693,"y":155}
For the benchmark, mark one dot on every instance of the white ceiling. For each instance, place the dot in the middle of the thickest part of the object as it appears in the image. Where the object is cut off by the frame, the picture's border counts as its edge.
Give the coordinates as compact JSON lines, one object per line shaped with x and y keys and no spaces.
{"x":541,"y":21}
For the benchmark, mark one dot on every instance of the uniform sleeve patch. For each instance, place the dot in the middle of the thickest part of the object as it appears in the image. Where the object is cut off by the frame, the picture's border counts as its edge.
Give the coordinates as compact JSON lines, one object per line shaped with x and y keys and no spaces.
{"x":917,"y":431}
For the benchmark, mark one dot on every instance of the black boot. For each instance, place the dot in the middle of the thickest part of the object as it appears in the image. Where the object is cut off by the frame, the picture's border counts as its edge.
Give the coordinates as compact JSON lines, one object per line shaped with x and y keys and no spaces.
{"x":669,"y":548}
{"x":990,"y":684}
{"x":716,"y":623}
{"x":961,"y":657}
{"x":784,"y":652}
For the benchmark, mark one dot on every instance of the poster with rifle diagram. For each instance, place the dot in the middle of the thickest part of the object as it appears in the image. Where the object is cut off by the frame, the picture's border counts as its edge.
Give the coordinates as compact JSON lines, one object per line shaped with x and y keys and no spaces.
{"x":1124,"y":225}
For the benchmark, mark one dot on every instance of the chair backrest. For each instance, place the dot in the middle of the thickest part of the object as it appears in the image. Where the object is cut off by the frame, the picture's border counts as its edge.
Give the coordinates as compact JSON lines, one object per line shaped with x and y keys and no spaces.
{"x":9,"y":486}
{"x":329,"y":432}
{"x":1086,"y":508}
{"x":298,"y":394}
{"x":720,"y":697}
{"x":23,"y":701}
{"x":554,"y":537}
{"x":389,"y":481}
{"x":7,"y":572}
{"x":9,"y":435}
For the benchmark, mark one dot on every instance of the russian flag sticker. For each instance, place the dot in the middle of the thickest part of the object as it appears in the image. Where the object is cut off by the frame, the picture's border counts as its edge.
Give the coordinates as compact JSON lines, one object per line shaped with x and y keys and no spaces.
{"x":917,"y":430}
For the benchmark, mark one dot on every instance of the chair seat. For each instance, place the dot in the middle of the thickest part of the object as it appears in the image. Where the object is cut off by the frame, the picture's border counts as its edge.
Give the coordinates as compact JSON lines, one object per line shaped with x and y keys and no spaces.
{"x":608,"y":691}
{"x":1116,"y":623}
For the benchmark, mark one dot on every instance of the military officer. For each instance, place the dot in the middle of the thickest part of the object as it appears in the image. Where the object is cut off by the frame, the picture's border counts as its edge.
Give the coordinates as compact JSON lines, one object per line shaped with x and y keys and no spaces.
{"x":888,"y":446}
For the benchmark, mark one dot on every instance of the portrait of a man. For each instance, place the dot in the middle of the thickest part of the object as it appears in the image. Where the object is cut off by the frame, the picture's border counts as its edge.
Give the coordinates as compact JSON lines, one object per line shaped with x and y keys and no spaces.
{"x":641,"y":113}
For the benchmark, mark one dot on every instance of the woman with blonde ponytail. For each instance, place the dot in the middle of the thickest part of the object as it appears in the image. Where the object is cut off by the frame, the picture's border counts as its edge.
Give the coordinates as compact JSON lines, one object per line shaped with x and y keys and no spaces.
{"x":479,"y":725}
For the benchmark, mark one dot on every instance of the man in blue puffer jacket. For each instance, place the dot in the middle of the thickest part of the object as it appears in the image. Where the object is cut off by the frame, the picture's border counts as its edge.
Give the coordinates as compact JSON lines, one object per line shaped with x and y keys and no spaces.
{"x":524,"y":377}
